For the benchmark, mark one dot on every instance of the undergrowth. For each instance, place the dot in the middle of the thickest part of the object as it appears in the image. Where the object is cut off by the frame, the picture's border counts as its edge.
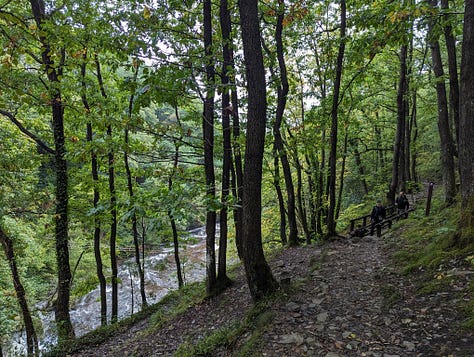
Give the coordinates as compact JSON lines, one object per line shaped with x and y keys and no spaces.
{"x":429,"y":246}
{"x":174,"y":303}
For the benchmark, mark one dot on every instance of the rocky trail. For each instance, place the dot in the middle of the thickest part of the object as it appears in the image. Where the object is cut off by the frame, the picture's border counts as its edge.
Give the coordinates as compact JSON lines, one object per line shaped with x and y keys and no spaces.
{"x":346,"y":299}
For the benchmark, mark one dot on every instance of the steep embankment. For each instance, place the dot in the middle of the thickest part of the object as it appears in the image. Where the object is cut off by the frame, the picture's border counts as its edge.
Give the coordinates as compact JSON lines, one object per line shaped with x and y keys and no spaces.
{"x":346,"y":299}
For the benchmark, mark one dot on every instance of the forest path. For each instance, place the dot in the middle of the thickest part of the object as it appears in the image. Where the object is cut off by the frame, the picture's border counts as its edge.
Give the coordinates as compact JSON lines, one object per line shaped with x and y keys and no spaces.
{"x":356,"y":304}
{"x":349,"y":300}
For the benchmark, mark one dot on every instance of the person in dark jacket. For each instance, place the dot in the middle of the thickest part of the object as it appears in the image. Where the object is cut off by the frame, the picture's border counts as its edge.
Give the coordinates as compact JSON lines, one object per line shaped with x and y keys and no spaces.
{"x":378,"y":215}
{"x":402,"y":204}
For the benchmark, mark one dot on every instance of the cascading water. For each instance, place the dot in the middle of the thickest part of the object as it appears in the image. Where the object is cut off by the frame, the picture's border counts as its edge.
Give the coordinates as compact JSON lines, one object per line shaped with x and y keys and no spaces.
{"x":160,"y":278}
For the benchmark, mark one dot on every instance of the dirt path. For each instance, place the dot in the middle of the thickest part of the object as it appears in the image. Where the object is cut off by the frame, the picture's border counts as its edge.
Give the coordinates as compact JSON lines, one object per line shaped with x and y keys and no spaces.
{"x":350,"y":303}
{"x":354,"y":305}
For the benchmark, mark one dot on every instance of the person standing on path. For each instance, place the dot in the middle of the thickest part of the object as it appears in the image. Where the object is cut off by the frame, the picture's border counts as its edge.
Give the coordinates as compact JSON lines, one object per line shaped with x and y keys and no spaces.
{"x":402,"y":204}
{"x":378,"y":215}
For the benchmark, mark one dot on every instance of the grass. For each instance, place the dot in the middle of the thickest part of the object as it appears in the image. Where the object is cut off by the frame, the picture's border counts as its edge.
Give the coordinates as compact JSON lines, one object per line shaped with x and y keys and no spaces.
{"x":428,"y":247}
{"x":171,"y":305}
{"x":253,"y":326}
{"x":390,"y":295}
{"x":249,"y":331}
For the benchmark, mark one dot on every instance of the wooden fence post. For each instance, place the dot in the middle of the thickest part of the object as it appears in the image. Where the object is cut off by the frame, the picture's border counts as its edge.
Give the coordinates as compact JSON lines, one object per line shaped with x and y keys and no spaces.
{"x":428,"y":199}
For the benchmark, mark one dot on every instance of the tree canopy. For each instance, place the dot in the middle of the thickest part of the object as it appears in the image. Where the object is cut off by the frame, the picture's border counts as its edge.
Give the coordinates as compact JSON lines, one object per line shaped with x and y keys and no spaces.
{"x":125,"y":123}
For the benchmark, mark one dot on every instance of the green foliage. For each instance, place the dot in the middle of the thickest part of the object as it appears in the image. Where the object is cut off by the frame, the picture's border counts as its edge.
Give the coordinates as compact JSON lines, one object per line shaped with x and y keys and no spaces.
{"x":176,"y":302}
{"x":430,"y":250}
{"x":151,"y":66}
{"x":469,"y":308}
{"x":222,"y":337}
{"x":390,"y":295}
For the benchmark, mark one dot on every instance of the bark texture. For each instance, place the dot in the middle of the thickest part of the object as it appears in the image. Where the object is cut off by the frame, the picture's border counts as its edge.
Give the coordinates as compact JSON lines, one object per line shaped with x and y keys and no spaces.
{"x":259,"y":276}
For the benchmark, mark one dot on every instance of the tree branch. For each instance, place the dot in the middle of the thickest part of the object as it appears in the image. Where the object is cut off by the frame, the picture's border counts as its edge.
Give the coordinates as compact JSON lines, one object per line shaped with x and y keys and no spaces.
{"x":28,"y":133}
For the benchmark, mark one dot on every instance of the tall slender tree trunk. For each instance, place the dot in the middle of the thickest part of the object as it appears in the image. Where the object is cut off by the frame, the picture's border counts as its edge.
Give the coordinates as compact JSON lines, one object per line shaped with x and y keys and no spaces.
{"x":113,"y":204}
{"x":135,"y":234}
{"x":259,"y":276}
{"x":96,"y":199}
{"x":331,"y":221}
{"x":408,"y":126}
{"x":401,"y":120}
{"x":300,"y":199}
{"x":466,"y":126}
{"x":31,"y":338}
{"x":97,"y":233}
{"x":281,"y":200}
{"x":113,"y":229}
{"x":300,"y":202}
{"x":238,"y":181}
{"x":360,"y":166}
{"x":208,"y":136}
{"x":136,"y":243}
{"x":282,"y":93}
{"x":414,"y":138}
{"x":311,"y":198}
{"x":452,"y":68}
{"x":54,"y":73}
{"x":447,"y":155}
{"x":225,"y":23}
{"x":321,"y":196}
{"x":341,"y":176}
{"x":174,"y":229}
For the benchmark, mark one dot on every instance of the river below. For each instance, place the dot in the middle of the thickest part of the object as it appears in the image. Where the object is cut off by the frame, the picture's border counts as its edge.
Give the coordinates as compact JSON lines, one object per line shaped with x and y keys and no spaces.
{"x":160,"y":278}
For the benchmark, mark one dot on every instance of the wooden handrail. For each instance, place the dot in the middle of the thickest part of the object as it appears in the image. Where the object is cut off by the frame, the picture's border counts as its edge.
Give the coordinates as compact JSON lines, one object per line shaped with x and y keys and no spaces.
{"x":364,"y":218}
{"x":386,"y":222}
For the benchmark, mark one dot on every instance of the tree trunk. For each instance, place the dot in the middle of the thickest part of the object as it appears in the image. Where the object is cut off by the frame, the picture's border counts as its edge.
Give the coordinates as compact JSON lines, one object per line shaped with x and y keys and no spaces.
{"x":239,"y":173}
{"x":331,"y":222}
{"x":282,"y":94}
{"x":320,"y":196}
{"x":113,"y":204}
{"x":97,"y":233}
{"x":136,"y":243}
{"x":447,"y":156}
{"x":407,"y":177}
{"x":341,"y":177}
{"x":31,"y":338}
{"x":300,"y":204}
{"x":224,"y":17}
{"x":113,"y":229}
{"x":174,"y":229}
{"x":208,"y":136}
{"x":466,"y":125}
{"x":414,"y":131}
{"x":54,"y":72}
{"x":281,"y":201}
{"x":259,"y":276}
{"x":96,"y":199}
{"x":453,"y":68}
{"x":300,"y":201}
{"x":401,"y":119}
{"x":311,"y":198}
{"x":360,"y":167}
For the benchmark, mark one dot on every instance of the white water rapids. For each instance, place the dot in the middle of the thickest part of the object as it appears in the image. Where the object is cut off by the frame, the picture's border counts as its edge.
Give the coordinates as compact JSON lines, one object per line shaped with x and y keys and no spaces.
{"x":160,"y":278}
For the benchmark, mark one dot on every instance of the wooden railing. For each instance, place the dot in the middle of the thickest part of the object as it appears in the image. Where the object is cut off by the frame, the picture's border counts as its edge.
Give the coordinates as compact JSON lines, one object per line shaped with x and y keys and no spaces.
{"x":364,"y":228}
{"x":389,"y":211}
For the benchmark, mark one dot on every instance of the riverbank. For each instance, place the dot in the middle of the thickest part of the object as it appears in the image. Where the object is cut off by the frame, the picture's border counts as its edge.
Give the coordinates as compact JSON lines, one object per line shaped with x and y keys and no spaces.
{"x":344,"y":298}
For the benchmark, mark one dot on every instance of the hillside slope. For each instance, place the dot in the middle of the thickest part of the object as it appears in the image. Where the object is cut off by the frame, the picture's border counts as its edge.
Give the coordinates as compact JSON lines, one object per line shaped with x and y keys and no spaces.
{"x":345,"y":298}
